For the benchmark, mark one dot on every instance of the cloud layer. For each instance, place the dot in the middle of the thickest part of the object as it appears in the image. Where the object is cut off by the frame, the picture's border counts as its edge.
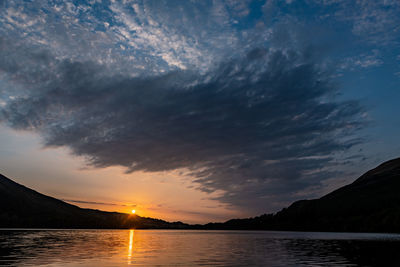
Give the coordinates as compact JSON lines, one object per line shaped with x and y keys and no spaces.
{"x":238,"y":95}
{"x":255,"y":128}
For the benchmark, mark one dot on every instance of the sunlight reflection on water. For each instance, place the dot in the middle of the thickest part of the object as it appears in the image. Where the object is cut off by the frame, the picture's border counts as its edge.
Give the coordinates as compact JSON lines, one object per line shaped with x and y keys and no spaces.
{"x":103,"y":248}
{"x":131,"y":233}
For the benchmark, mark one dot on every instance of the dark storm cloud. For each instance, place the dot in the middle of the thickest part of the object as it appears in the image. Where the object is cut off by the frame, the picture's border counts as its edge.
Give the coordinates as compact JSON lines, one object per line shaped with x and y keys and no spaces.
{"x":260,"y":127}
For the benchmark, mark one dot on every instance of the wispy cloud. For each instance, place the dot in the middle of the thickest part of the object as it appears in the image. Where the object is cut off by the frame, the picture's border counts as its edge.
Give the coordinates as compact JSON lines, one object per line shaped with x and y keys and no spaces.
{"x":374,"y":21}
{"x":362,"y":61}
{"x":98,"y":203}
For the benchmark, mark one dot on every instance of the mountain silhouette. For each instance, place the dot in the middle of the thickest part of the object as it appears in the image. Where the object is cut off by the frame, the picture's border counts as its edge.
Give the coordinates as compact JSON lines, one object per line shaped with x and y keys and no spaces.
{"x":24,"y":207}
{"x":369,"y":204}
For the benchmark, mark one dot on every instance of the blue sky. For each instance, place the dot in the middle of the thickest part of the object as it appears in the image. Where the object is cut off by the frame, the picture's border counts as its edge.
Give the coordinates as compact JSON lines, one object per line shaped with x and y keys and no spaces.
{"x":244,"y":105}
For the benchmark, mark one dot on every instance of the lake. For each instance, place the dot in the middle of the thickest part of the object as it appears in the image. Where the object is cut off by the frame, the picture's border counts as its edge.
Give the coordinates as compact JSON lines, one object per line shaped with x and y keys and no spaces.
{"x":102,"y":248}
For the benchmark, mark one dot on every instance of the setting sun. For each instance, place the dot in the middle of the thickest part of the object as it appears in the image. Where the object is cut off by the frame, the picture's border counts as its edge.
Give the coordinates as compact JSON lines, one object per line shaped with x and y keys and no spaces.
{"x":133,"y":211}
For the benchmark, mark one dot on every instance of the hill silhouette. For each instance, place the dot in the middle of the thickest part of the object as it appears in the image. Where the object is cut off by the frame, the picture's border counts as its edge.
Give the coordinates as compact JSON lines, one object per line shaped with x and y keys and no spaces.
{"x":24,"y":207}
{"x":369,"y":204}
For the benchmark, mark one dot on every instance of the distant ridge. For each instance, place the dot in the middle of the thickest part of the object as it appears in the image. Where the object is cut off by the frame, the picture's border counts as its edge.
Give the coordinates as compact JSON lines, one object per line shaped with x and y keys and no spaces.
{"x":24,"y":207}
{"x":369,"y":204}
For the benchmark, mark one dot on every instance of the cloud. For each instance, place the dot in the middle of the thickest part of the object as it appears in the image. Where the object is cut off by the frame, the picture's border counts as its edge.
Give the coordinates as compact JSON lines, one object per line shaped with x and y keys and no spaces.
{"x":362,"y":61}
{"x":98,"y":203}
{"x":258,"y":128}
{"x":376,"y":22}
{"x":144,"y":37}
{"x":242,"y":102}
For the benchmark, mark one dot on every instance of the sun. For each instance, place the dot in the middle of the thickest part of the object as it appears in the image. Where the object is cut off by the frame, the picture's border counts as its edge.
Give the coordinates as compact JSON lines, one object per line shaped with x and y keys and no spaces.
{"x":133,"y":211}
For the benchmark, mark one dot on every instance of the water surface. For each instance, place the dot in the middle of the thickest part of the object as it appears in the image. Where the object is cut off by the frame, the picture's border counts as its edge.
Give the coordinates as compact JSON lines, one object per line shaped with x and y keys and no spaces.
{"x":103,"y":248}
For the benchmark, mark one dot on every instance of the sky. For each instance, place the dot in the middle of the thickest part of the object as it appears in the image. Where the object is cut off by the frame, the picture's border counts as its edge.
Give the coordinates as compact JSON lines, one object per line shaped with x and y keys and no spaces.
{"x":197,"y":111}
